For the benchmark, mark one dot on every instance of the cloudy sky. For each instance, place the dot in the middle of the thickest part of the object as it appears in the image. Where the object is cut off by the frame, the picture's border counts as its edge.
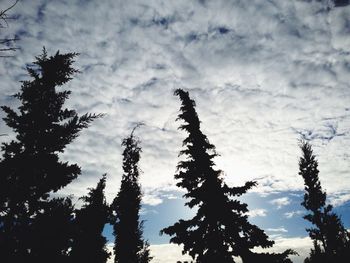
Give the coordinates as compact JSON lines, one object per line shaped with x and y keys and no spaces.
{"x":264,"y":74}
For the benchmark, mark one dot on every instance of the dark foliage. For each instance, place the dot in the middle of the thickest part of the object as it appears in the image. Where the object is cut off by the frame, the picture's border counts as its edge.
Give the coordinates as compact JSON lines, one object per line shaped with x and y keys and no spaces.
{"x":88,"y":244}
{"x":330,"y":238}
{"x":53,"y":231}
{"x":129,"y":247}
{"x":30,"y":167}
{"x":220,"y":230}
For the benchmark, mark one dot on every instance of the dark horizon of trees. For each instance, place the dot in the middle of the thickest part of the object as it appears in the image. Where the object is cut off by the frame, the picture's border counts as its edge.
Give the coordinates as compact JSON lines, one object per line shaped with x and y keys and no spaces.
{"x":36,"y":227}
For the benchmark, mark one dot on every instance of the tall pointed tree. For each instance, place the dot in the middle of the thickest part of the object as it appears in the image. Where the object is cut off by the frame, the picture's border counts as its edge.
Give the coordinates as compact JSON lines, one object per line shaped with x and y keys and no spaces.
{"x":52,"y":232}
{"x":30,"y":168}
{"x":220,"y":230}
{"x":331,"y":240}
{"x":89,"y":245}
{"x":130,"y":247}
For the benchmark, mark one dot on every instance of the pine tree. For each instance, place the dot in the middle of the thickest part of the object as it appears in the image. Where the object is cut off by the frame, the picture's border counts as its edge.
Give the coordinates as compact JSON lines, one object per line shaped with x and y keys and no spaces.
{"x":89,"y":245}
{"x":220,"y":230}
{"x":30,"y":168}
{"x":330,"y":238}
{"x":130,"y":247}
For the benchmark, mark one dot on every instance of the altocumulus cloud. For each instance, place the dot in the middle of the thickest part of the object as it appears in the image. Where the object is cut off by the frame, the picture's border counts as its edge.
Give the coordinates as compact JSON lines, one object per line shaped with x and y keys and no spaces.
{"x":263,"y":74}
{"x":301,"y":245}
{"x":280,"y":202}
{"x":294,"y":213}
{"x":257,"y":212}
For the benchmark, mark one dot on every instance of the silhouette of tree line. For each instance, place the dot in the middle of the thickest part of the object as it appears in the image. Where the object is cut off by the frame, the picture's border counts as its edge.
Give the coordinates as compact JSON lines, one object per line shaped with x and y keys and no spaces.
{"x":36,"y":227}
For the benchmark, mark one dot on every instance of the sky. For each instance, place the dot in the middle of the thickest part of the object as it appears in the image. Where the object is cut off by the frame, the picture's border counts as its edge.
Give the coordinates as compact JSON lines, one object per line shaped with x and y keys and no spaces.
{"x":264,"y":74}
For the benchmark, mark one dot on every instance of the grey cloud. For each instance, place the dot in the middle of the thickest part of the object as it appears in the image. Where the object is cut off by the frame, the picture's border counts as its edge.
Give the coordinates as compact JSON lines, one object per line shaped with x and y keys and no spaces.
{"x":263,"y":73}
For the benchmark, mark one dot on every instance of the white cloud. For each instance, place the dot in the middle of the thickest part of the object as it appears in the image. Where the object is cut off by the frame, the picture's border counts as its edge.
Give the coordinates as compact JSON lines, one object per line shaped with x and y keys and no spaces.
{"x":301,"y":245}
{"x":259,"y":85}
{"x":151,"y":200}
{"x":292,"y":214}
{"x":161,"y":253}
{"x":275,"y":233}
{"x":110,"y":250}
{"x":280,"y":202}
{"x":279,"y":229}
{"x":257,"y":212}
{"x":165,"y":253}
{"x":338,"y":199}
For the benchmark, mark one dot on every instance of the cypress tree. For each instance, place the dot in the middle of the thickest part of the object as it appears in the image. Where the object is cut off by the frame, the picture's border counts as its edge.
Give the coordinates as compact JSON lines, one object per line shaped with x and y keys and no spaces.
{"x":331,"y":240}
{"x":53,"y":232}
{"x":130,"y":247}
{"x":30,"y":168}
{"x":89,"y":245}
{"x":220,"y":230}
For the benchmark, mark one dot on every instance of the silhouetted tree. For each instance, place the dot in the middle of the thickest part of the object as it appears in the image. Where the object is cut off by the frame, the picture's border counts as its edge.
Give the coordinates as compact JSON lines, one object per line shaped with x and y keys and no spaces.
{"x":6,"y":44}
{"x":30,"y":167}
{"x":220,"y":230}
{"x":145,"y":253}
{"x":53,"y":232}
{"x":89,"y":245}
{"x":130,"y":247}
{"x":330,"y":238}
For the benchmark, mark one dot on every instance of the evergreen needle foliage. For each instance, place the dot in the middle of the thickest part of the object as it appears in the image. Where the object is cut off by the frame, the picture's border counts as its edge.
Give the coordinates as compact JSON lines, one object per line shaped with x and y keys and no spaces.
{"x":220,"y":230}
{"x":330,"y":238}
{"x":53,"y":232}
{"x":89,"y":245}
{"x":31,"y":168}
{"x":130,"y":247}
